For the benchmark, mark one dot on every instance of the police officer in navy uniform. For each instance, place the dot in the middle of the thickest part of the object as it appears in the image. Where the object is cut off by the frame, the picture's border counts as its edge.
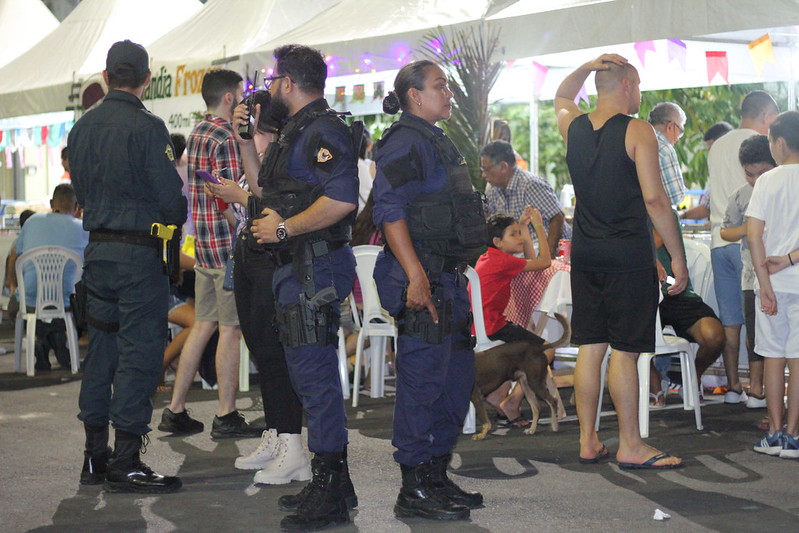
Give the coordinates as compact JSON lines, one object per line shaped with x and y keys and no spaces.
{"x":309,"y":180}
{"x":433,"y":224}
{"x":123,"y":170}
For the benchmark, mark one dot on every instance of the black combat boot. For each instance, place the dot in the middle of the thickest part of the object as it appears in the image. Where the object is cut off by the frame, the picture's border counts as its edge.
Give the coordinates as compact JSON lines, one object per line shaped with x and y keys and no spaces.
{"x":290,"y":502}
{"x":417,"y":497}
{"x":127,"y":473}
{"x":447,"y":488}
{"x":96,"y":454}
{"x":324,"y":502}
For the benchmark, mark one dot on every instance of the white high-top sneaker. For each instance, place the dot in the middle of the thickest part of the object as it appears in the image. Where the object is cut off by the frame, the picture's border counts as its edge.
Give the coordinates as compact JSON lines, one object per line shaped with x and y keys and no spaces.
{"x":289,"y":465}
{"x":266,"y":451}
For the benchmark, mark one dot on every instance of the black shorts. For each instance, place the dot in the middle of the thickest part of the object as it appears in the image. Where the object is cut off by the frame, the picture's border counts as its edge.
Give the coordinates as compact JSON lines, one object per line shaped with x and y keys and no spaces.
{"x":681,"y":312}
{"x":511,"y":332}
{"x":617,"y":308}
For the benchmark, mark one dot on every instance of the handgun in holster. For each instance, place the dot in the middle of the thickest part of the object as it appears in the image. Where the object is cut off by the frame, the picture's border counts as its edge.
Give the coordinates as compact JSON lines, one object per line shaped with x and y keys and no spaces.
{"x":310,"y":321}
{"x":170,"y":235}
{"x":420,"y":325}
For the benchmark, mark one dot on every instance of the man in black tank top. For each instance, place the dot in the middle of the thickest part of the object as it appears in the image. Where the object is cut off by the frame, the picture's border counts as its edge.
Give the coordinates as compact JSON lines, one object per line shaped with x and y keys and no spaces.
{"x":613,"y":161}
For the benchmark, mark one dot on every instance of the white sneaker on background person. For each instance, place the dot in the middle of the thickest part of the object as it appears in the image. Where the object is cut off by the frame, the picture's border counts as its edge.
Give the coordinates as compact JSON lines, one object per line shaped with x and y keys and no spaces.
{"x":756,"y":403}
{"x":266,"y":451}
{"x":735,"y":397}
{"x":290,"y":464}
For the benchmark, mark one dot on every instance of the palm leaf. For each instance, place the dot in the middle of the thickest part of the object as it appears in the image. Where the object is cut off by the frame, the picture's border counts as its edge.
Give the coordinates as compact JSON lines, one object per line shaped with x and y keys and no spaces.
{"x":467,"y":56}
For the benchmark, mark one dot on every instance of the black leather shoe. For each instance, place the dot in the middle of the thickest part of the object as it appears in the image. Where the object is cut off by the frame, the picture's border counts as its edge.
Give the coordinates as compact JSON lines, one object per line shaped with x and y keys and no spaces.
{"x":323,"y":504}
{"x":140,"y":478}
{"x":442,"y":484}
{"x":94,"y":467}
{"x":418,"y":499}
{"x":290,"y":502}
{"x":234,"y":426}
{"x":127,"y":473}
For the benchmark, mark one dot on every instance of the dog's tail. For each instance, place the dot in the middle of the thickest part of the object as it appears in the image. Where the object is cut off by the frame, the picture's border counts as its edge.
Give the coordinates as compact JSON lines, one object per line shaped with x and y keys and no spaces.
{"x":563,"y":338}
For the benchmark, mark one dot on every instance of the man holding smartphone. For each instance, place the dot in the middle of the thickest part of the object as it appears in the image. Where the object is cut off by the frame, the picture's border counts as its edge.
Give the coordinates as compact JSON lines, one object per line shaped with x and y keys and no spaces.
{"x":212,"y":148}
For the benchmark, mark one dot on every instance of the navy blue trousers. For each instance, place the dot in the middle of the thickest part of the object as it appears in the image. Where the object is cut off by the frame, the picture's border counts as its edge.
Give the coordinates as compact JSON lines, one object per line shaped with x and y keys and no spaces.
{"x":314,"y":369}
{"x":122,"y":368}
{"x":434,"y":381}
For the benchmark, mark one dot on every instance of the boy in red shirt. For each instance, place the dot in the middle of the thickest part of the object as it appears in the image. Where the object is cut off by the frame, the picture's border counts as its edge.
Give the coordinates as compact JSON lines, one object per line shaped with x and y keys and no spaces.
{"x":497,"y":268}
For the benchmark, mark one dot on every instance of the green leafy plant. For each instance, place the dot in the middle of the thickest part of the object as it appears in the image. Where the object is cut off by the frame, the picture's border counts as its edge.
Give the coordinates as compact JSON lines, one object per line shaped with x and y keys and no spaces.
{"x":468,"y":58}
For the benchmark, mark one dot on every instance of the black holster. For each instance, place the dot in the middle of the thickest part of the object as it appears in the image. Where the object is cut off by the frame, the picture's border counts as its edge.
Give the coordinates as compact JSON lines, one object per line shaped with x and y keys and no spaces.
{"x":309,"y":321}
{"x":420,"y":325}
{"x":79,"y":301}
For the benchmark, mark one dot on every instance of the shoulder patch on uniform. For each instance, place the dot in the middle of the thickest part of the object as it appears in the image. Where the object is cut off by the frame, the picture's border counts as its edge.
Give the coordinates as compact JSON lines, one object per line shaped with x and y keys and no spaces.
{"x":323,"y":155}
{"x":169,"y":153}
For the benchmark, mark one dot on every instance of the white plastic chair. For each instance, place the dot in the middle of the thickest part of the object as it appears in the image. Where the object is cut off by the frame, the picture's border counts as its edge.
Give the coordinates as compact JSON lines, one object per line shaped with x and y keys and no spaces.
{"x":483,"y":342}
{"x":664,"y":345}
{"x":49,"y":262}
{"x":377,"y":324}
{"x":343,"y":366}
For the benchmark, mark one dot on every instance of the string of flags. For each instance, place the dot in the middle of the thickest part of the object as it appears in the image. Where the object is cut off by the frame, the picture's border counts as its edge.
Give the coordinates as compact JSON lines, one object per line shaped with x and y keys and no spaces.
{"x":717,"y":62}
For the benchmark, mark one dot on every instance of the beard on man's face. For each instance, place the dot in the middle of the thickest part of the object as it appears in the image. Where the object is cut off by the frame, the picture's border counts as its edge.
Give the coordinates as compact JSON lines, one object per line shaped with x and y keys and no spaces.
{"x":280,"y":110}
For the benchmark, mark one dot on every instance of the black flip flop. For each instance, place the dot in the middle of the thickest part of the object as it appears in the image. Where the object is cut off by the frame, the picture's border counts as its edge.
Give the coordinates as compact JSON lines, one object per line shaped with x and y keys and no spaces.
{"x":649,"y":464}
{"x":603,"y":454}
{"x":515,"y":422}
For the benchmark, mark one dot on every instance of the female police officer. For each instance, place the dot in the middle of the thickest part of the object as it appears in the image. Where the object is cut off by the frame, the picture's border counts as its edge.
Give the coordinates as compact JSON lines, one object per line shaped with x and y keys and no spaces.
{"x":433,"y":224}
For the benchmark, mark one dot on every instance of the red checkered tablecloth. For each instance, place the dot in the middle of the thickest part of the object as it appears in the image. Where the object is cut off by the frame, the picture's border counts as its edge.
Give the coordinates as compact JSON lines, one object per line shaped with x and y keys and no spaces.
{"x":527,"y":289}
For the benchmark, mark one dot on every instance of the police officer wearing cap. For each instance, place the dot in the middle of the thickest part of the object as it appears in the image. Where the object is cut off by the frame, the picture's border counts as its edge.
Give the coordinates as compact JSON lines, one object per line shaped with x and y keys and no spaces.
{"x":123,"y":170}
{"x":309,"y":181}
{"x":433,"y":224}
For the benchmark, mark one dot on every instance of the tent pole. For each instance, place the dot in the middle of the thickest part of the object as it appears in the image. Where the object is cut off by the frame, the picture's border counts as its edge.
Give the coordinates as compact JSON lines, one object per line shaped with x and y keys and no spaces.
{"x":534,"y":134}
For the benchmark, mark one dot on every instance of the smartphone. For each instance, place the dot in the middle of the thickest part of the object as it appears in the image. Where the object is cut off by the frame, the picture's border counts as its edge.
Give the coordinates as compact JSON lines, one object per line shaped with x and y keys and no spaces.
{"x":670,"y":280}
{"x":207,"y":176}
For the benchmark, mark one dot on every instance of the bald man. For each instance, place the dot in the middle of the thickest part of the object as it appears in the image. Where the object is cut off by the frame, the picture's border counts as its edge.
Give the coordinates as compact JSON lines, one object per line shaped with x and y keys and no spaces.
{"x":613,"y":161}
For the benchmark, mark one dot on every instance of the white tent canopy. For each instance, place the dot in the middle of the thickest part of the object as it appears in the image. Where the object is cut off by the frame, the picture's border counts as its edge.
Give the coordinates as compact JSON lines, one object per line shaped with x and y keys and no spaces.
{"x":216,"y":36}
{"x":39,"y":80}
{"x":379,"y":34}
{"x":23,"y":23}
{"x":225,"y":28}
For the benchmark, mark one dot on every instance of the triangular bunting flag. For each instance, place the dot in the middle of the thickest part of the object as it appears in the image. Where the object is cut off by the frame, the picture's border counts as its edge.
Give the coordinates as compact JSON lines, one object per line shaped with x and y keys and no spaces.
{"x":641,"y":49}
{"x":676,"y":49}
{"x":762,"y":51}
{"x":717,"y":64}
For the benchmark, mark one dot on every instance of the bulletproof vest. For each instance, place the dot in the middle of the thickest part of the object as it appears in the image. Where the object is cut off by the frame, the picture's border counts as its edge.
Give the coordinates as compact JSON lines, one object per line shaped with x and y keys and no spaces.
{"x":288,"y":195}
{"x":450,"y":222}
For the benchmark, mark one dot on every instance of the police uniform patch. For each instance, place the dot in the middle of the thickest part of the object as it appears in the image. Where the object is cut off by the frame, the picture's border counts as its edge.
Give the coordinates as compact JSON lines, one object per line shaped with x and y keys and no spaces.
{"x":169,"y":153}
{"x":323,"y":155}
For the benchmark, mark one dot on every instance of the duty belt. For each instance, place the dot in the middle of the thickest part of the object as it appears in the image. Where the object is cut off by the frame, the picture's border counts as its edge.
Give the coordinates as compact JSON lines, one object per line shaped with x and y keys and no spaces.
{"x":139,"y":238}
{"x":436,"y":264}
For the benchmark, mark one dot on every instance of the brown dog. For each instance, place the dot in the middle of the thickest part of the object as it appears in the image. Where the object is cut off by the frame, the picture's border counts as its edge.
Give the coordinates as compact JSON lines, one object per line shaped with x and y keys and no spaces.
{"x":525,"y":363}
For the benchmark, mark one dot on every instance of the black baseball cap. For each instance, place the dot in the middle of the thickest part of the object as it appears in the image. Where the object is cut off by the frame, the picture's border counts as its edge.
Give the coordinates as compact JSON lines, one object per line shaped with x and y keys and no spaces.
{"x":127,"y":52}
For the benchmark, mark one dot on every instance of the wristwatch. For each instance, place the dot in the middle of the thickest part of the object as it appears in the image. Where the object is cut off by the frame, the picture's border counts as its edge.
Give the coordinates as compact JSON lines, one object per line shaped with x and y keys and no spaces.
{"x":281,"y":233}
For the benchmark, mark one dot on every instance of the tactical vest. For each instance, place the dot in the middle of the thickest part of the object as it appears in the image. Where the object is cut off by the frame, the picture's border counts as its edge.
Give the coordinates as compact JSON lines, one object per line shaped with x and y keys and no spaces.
{"x":290,"y":196}
{"x":450,"y":222}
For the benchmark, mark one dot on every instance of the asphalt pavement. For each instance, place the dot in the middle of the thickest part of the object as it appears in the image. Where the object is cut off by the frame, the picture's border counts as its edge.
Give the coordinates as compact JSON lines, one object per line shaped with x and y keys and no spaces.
{"x":530,"y":483}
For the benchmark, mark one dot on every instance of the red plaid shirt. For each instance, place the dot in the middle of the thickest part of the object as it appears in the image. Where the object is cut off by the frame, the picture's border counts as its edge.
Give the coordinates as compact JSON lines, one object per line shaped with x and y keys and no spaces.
{"x":211,"y":147}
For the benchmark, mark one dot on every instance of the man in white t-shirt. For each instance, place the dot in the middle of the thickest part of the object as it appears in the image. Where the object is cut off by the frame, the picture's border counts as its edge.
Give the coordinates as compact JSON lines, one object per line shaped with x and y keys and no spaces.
{"x":758,"y":110}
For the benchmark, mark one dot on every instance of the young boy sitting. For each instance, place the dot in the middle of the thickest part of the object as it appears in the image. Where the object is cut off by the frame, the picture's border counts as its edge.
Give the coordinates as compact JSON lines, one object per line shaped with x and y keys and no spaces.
{"x":755,"y":158}
{"x":497,"y":268}
{"x":772,"y":230}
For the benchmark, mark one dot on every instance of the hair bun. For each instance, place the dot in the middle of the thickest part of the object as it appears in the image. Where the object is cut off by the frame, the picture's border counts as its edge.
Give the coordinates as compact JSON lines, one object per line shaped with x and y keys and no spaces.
{"x":391,"y":103}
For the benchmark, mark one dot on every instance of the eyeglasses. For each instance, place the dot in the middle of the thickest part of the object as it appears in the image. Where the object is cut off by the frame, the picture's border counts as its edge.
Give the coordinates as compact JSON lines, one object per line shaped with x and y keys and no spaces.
{"x":681,"y":129}
{"x":268,"y":81}
{"x":489,"y":167}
